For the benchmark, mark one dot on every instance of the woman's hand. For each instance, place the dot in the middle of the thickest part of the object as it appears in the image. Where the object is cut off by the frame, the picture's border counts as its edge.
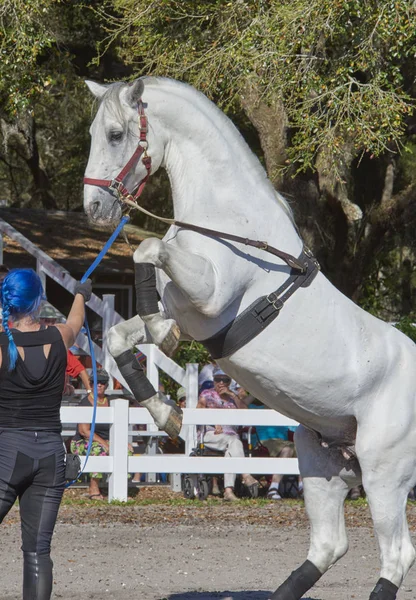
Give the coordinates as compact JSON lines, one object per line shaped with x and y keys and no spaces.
{"x":218,"y":429}
{"x":84,"y":288}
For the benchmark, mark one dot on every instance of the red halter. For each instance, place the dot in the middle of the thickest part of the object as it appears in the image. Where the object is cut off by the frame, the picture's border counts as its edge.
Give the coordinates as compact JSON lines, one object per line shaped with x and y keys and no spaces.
{"x":116,"y":185}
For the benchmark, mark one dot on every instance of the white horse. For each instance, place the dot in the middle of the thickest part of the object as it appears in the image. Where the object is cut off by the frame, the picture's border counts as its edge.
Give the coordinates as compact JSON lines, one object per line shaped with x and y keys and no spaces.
{"x":347,"y":377}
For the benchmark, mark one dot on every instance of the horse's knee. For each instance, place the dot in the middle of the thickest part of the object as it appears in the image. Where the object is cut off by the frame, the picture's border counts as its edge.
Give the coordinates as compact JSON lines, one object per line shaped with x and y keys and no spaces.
{"x":125,"y":335}
{"x":149,"y":251}
{"x":116,"y":341}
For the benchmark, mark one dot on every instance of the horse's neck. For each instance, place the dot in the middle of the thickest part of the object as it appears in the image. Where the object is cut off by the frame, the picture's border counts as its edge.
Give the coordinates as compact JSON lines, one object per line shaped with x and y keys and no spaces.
{"x":216,"y":181}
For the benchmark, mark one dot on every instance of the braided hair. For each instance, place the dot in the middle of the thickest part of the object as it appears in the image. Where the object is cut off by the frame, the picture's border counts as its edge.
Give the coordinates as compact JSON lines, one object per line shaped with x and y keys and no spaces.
{"x":20,"y":296}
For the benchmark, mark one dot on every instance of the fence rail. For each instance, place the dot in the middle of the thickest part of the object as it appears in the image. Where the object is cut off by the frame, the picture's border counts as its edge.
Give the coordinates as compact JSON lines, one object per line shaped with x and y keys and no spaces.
{"x":121,"y":418}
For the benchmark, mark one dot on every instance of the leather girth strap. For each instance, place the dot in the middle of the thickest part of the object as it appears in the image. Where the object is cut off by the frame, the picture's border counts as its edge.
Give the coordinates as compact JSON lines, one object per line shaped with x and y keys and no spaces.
{"x":256,"y":317}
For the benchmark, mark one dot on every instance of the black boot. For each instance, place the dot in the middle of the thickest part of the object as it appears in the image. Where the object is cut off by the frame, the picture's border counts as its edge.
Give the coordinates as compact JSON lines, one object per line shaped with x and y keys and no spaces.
{"x":167,"y":416}
{"x":299,"y":582}
{"x":384,"y":590}
{"x":140,"y":386}
{"x":37,"y":576}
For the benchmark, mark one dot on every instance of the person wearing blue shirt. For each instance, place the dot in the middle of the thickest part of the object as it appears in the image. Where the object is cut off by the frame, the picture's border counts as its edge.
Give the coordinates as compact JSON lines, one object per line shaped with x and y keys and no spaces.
{"x":277,"y":439}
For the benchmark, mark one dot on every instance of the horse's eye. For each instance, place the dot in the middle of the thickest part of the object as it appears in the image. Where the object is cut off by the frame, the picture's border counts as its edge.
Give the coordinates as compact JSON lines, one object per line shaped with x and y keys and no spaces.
{"x":115,"y":136}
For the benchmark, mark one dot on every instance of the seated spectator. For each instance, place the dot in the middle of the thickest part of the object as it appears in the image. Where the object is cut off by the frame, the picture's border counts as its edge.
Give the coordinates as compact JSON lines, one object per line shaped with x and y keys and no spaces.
{"x":277,"y":439}
{"x":206,"y":385}
{"x":206,"y":373}
{"x":100,"y":443}
{"x":224,"y":438}
{"x":288,"y":450}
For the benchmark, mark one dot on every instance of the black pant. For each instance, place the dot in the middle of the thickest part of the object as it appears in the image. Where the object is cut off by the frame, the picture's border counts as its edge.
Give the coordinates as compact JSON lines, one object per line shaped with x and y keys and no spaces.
{"x":32,"y":468}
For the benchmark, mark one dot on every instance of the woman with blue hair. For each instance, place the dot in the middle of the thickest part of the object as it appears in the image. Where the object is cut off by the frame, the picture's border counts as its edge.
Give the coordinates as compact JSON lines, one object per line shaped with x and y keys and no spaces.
{"x":32,"y":456}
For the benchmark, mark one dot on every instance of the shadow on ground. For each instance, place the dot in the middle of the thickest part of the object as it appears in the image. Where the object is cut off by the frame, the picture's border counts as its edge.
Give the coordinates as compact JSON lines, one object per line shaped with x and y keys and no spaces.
{"x":243,"y":595}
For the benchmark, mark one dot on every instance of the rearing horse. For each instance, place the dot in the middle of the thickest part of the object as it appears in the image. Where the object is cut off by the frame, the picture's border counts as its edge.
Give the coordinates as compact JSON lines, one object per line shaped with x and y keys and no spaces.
{"x":347,"y":377}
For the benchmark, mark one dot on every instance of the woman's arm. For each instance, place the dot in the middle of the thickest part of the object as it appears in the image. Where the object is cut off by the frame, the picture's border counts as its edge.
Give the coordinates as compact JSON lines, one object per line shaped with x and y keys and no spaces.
{"x":72,"y":327}
{"x":85,"y":430}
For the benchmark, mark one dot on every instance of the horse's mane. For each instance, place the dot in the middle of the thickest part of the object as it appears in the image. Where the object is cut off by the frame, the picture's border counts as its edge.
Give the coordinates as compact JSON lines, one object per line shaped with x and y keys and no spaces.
{"x":112,"y":101}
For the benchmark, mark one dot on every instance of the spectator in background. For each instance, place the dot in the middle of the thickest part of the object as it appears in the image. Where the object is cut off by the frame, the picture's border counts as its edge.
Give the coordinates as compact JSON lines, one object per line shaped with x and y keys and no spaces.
{"x":181,"y":397}
{"x":224,"y":438}
{"x":277,"y":439}
{"x":206,"y":374}
{"x":206,"y":385}
{"x":100,"y":442}
{"x":74,"y":368}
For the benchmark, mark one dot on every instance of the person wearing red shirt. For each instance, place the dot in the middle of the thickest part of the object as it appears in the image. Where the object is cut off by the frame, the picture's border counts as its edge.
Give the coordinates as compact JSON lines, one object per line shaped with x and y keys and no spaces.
{"x":74,"y":368}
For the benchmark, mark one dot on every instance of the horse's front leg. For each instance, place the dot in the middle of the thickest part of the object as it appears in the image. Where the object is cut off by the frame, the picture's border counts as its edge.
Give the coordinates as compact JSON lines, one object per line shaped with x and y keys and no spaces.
{"x":121,"y":339}
{"x":192,"y":273}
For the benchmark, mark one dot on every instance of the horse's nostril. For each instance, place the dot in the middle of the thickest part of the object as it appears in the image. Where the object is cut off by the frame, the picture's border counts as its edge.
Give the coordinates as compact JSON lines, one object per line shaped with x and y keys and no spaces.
{"x":94,"y":207}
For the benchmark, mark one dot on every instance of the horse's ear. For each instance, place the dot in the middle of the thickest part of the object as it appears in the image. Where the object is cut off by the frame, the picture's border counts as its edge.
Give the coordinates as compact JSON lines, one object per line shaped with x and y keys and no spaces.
{"x":134,"y":92}
{"x":97,"y":89}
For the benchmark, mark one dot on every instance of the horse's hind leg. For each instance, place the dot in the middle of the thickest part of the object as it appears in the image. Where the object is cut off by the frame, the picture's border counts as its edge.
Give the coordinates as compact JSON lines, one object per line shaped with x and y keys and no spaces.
{"x":388,"y":462}
{"x":327,"y":477}
{"x":121,"y":338}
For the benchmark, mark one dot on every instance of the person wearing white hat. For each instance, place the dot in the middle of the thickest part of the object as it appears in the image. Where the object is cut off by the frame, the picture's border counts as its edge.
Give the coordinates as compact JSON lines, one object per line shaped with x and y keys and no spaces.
{"x":224,"y":438}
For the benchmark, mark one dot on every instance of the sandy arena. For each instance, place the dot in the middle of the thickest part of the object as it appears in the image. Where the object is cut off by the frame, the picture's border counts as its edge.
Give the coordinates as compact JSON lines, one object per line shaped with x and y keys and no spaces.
{"x":190,"y":552}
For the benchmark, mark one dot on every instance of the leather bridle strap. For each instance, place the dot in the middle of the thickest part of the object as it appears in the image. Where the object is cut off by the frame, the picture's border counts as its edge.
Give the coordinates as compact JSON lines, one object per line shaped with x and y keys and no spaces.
{"x":290,"y":260}
{"x":116,"y":185}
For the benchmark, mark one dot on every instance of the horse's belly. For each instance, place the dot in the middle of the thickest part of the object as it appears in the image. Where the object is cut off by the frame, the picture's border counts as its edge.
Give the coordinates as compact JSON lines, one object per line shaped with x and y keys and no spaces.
{"x":324,"y":368}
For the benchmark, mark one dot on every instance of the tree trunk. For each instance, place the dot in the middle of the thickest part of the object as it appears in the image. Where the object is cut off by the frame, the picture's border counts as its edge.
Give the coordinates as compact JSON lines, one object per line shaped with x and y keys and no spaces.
{"x":22,"y":139}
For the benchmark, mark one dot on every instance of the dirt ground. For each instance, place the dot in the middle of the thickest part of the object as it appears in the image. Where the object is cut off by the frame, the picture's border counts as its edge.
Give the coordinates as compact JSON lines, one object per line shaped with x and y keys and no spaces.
{"x":158,"y":548}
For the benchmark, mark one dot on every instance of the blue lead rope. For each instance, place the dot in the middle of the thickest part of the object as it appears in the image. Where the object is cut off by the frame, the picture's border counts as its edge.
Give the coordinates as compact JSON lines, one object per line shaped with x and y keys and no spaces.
{"x":88,"y":272}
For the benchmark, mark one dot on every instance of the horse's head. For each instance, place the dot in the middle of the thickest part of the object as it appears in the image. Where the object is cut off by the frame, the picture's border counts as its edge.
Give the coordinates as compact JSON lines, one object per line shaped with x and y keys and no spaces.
{"x":118,"y":135}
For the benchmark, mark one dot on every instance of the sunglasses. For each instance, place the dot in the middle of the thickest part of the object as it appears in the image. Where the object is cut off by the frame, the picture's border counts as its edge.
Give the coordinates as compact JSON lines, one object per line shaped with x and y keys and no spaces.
{"x":221,"y":379}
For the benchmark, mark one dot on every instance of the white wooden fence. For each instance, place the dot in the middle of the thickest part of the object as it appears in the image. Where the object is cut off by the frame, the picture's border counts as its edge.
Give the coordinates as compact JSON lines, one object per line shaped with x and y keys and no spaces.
{"x":121,"y":418}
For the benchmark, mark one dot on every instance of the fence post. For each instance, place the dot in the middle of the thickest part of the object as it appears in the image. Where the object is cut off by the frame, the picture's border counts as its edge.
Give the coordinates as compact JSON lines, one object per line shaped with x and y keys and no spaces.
{"x":191,"y":402}
{"x":188,"y":432}
{"x":152,"y":373}
{"x":108,"y":305}
{"x":119,"y":430}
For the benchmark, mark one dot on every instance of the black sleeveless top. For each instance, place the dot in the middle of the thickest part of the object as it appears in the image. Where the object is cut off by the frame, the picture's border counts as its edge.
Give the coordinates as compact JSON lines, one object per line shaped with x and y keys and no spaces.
{"x":31,"y":394}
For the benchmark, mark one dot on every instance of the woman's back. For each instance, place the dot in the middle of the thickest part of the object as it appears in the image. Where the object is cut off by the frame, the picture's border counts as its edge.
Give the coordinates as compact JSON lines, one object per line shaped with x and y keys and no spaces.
{"x":30,"y":394}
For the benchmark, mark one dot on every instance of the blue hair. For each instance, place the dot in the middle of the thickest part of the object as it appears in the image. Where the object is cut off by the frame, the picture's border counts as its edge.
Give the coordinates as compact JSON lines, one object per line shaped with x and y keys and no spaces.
{"x":21,"y":294}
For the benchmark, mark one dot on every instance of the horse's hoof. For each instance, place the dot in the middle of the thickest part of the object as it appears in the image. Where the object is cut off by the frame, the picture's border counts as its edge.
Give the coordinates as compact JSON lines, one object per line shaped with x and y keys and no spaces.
{"x":171,"y":340}
{"x":173,"y":424}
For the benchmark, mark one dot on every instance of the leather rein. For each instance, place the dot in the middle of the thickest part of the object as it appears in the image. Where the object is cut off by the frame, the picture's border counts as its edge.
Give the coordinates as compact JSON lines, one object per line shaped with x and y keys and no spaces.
{"x":129,"y":199}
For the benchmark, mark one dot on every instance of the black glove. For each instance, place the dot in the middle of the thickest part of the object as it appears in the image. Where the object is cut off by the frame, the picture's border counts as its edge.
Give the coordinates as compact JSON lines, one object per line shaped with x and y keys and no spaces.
{"x":85,"y":289}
